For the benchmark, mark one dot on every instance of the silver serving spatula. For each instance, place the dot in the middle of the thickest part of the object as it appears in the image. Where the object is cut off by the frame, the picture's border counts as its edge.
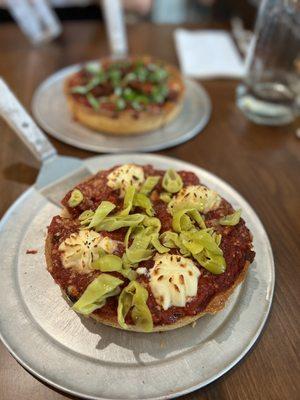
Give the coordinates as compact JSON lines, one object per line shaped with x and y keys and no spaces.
{"x":58,"y":174}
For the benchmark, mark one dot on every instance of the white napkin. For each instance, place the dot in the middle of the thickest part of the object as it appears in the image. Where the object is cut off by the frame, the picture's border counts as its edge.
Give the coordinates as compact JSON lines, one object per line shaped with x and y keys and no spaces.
{"x":208,"y":54}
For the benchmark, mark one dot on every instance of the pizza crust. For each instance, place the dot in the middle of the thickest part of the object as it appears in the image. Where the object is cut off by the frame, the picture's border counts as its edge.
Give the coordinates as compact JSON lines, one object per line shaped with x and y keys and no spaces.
{"x":215,"y":305}
{"x":126,"y":123}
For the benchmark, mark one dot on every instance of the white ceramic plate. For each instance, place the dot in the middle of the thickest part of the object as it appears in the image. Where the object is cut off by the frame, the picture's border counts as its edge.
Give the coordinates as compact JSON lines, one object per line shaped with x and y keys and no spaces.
{"x":94,"y":361}
{"x":50,"y":111}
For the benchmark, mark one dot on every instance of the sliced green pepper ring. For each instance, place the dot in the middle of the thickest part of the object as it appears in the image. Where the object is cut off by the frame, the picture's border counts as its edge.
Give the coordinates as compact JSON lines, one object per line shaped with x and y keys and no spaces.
{"x":172,"y":181}
{"x":75,"y":198}
{"x":231,"y":219}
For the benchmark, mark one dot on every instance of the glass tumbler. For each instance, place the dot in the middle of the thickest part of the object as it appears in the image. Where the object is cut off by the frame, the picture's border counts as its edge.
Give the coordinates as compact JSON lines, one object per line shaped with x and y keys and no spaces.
{"x":270,"y":93}
{"x":36,"y":19}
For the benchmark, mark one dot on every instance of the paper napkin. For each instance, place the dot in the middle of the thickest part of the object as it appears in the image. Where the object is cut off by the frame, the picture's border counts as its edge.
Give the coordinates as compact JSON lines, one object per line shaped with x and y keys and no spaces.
{"x":208,"y":54}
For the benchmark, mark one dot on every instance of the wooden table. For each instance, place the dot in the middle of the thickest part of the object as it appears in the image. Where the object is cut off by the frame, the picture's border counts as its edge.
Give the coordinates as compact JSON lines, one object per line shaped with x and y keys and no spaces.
{"x":261,"y":163}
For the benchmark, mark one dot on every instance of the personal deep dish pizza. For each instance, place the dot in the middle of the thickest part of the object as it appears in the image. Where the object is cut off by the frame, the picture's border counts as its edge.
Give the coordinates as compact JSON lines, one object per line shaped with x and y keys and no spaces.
{"x":147,"y":250}
{"x":126,"y":96}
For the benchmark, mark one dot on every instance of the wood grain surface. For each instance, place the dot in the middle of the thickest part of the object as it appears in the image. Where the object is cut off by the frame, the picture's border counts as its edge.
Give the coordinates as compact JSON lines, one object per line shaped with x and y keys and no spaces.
{"x":262,"y":163}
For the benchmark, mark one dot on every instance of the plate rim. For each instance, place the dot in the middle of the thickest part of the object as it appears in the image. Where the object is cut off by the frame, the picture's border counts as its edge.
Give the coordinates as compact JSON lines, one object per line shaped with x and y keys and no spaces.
{"x":62,"y":73}
{"x":15,"y":204}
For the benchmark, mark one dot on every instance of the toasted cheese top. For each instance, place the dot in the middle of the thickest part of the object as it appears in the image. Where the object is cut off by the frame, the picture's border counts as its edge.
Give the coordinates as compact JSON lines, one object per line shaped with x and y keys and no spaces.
{"x":108,"y":245}
{"x":79,"y":250}
{"x":201,"y":197}
{"x":142,"y":271}
{"x":124,"y":176}
{"x":173,"y":280}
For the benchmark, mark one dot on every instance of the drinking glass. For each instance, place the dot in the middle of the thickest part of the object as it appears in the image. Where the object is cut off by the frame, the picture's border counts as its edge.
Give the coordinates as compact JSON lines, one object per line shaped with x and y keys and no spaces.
{"x":115,"y":27}
{"x":36,"y":19}
{"x":270,"y":93}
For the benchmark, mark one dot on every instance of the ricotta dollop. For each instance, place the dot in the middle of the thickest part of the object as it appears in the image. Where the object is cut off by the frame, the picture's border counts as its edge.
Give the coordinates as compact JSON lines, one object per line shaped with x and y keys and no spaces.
{"x":124,"y":176}
{"x":173,"y":280}
{"x":198,"y":196}
{"x":80,"y":249}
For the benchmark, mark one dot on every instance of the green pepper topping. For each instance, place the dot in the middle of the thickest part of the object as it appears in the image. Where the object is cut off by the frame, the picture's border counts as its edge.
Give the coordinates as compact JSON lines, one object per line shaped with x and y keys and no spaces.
{"x":212,"y":262}
{"x":165,"y":197}
{"x":79,"y":90}
{"x":130,"y":77}
{"x":142,"y":201}
{"x":140,"y":102}
{"x":96,"y":293}
{"x":134,"y":298}
{"x":158,"y":246}
{"x":199,"y":240}
{"x":152,"y":222}
{"x":138,"y":251}
{"x":137,"y":106}
{"x":158,"y":75}
{"x":129,"y":94}
{"x":76,"y":198}
{"x":182,"y":219}
{"x":203,"y":245}
{"x":86,"y":217}
{"x":120,"y":104}
{"x":172,"y":182}
{"x":112,"y":223}
{"x":172,"y":240}
{"x":159,"y":93}
{"x":141,"y":73}
{"x":95,"y":81}
{"x":231,"y":219}
{"x":149,"y":185}
{"x":115,"y":76}
{"x":93,"y":101}
{"x":118,"y":91}
{"x":108,"y":263}
{"x":102,"y":211}
{"x":195,"y":214}
{"x":113,"y":263}
{"x":205,"y":249}
{"x":128,"y":201}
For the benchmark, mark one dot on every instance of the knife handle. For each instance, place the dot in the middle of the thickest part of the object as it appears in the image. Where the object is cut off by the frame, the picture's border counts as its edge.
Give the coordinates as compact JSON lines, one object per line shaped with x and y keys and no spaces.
{"x":12,"y":111}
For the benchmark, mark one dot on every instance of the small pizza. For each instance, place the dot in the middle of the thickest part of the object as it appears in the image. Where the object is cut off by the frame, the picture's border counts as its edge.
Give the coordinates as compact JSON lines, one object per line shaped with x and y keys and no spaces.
{"x":147,"y":250}
{"x":126,"y":96}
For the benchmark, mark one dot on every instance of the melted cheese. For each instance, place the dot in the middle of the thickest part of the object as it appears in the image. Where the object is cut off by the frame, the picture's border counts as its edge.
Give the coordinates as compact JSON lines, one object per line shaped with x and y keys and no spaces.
{"x":173,"y":280}
{"x":80,"y":249}
{"x":108,"y":245}
{"x":204,"y":199}
{"x":124,"y":176}
{"x":142,"y":271}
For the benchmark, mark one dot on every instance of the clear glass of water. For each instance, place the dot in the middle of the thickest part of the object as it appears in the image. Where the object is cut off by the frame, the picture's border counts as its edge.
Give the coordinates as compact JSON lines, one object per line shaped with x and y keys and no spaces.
{"x":270,"y":93}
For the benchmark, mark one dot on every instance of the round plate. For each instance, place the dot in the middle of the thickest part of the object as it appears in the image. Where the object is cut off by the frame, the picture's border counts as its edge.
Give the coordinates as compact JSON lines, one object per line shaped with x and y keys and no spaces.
{"x":50,"y":110}
{"x":94,"y":361}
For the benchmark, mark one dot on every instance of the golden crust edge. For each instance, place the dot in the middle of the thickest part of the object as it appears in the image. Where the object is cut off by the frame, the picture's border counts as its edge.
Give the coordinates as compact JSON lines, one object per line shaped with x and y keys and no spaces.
{"x":214,"y":306}
{"x":125,"y":124}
